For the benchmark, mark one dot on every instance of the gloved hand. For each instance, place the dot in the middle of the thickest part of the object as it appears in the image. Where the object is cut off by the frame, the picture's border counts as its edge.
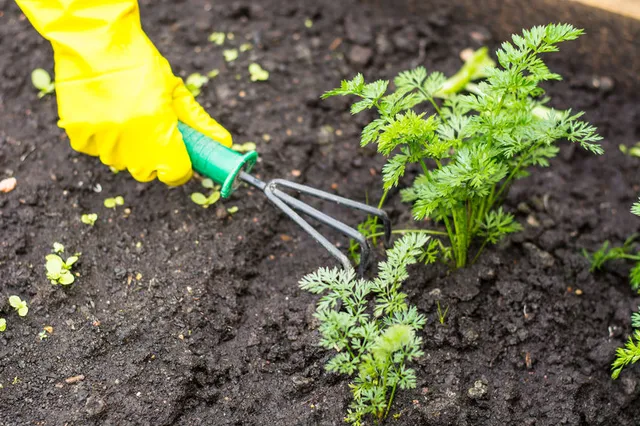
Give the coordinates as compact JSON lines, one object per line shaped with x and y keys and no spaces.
{"x":117,"y":96}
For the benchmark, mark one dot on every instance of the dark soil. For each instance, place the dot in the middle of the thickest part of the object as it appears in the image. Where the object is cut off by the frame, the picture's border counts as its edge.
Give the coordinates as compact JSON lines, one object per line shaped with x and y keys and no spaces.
{"x":180,"y":317}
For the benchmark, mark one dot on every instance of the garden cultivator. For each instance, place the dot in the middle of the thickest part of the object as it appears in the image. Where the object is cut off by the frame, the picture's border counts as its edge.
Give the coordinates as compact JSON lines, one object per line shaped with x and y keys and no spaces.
{"x":227,"y":167}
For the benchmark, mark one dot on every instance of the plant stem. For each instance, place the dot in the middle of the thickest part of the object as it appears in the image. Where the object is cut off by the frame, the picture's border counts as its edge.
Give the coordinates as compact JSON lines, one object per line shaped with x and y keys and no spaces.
{"x":479,"y":251}
{"x":424,"y":167}
{"x":452,"y":238}
{"x":461,"y":237}
{"x":516,"y":169}
{"x":630,"y":256}
{"x":393,"y":394}
{"x":383,"y":199}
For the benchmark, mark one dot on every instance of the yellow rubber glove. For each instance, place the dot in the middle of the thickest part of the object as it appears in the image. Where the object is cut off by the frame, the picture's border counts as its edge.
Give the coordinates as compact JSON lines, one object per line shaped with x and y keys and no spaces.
{"x":117,"y":96}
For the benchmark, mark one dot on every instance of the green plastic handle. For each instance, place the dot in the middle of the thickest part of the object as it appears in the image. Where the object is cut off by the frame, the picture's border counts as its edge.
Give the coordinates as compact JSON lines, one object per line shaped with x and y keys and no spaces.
{"x":214,"y":160}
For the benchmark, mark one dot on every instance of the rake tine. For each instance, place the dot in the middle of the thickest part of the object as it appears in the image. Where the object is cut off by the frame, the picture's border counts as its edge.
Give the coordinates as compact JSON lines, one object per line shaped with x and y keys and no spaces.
{"x":314,"y":192}
{"x":288,"y":205}
{"x":268,"y":191}
{"x":341,"y":227}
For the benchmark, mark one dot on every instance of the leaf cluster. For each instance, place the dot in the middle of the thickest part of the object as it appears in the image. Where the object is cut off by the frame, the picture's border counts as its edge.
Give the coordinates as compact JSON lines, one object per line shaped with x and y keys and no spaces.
{"x":371,"y":327}
{"x":41,"y":80}
{"x":89,"y":218}
{"x":470,"y":147}
{"x":630,"y":353}
{"x":207,"y":200}
{"x":257,"y":73}
{"x":59,"y":270}
{"x":19,"y":305}
{"x":112,"y":203}
{"x":607,"y":253}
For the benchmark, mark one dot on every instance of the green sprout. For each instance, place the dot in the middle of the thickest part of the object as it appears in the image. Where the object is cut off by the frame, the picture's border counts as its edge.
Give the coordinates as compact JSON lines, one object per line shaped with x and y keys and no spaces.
{"x":217,"y":38}
{"x":3,"y":324}
{"x":19,"y":305}
{"x":203,"y":200}
{"x":195,"y":82}
{"x":230,"y":55}
{"x":470,"y":147}
{"x":257,"y":73}
{"x":111,"y":203}
{"x":232,"y":210}
{"x":58,"y":270}
{"x":58,"y":248}
{"x":89,"y":218}
{"x":308,"y":23}
{"x":245,"y":147}
{"x":371,"y":327}
{"x":606,"y":253}
{"x":245,"y":47}
{"x":213,"y":73}
{"x":41,"y":80}
{"x":442,"y":314}
{"x":634,"y":151}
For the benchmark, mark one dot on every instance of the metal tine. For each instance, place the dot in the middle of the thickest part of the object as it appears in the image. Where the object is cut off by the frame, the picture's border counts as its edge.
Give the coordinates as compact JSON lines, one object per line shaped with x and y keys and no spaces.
{"x":314,"y":192}
{"x":365,"y":251}
{"x":286,"y":203}
{"x":346,"y":264}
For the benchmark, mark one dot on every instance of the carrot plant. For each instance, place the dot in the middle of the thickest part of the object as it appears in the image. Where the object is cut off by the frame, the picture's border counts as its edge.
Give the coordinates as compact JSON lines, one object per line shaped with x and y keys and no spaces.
{"x":630,"y":353}
{"x":606,"y":253}
{"x":372,"y":329}
{"x":470,"y":147}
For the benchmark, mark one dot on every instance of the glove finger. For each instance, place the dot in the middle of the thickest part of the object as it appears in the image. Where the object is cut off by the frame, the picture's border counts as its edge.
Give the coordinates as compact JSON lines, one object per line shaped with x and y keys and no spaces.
{"x":81,"y":139}
{"x":174,"y":165}
{"x":161,"y":154}
{"x":103,"y":144}
{"x":190,"y":112}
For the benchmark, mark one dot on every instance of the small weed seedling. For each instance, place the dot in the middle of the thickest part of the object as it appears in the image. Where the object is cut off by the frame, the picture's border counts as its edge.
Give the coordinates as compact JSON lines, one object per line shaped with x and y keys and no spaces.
{"x":112,"y":203}
{"x":89,"y":219}
{"x":607,"y":253}
{"x":257,"y":73}
{"x":58,"y":270}
{"x":19,"y":305}
{"x":3,"y":324}
{"x":245,"y":147}
{"x":633,"y":151}
{"x":230,"y":55}
{"x":203,"y":200}
{"x":370,"y":326}
{"x":195,"y":82}
{"x":41,"y":80}
{"x":58,"y":248}
{"x":630,"y":353}
{"x":472,"y":147}
{"x":217,"y":38}
{"x":442,"y":314}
